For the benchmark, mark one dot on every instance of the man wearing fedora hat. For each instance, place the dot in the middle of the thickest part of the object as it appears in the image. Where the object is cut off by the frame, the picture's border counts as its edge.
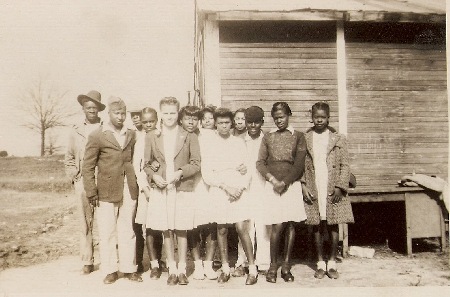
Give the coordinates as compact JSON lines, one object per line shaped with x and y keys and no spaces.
{"x":91,"y":105}
{"x":109,"y":151}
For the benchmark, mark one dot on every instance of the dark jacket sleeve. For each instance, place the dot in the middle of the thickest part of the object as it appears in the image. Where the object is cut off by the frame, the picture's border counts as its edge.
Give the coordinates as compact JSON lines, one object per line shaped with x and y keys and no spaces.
{"x":148,"y":157}
{"x":261,"y":163}
{"x":299,"y":160}
{"x":89,"y":163}
{"x":193,"y":166}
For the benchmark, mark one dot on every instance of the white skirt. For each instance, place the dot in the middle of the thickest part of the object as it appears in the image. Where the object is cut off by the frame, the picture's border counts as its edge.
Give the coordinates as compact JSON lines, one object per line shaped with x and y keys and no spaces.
{"x":170,"y":211}
{"x":203,"y":204}
{"x":223,"y":211}
{"x":141,"y":211}
{"x":284,"y":208}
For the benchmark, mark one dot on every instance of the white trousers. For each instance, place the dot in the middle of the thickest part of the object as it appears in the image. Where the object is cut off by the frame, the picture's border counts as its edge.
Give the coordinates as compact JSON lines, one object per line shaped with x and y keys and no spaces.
{"x":115,"y":228}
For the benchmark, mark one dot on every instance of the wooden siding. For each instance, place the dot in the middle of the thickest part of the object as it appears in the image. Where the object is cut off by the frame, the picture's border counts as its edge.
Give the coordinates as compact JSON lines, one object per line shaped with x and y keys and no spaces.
{"x":263,"y":73}
{"x":397,"y":111}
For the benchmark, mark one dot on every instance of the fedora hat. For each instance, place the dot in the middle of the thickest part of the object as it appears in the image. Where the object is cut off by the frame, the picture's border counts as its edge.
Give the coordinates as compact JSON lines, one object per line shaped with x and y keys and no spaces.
{"x":93,"y":96}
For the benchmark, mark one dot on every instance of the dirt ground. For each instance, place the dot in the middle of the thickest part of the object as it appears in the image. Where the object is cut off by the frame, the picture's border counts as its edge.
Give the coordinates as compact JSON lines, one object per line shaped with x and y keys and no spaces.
{"x":38,"y":257}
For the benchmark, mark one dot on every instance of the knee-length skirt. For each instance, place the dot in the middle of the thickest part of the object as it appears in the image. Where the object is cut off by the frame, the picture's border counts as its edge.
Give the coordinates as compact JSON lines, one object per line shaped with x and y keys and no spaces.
{"x":283,"y":208}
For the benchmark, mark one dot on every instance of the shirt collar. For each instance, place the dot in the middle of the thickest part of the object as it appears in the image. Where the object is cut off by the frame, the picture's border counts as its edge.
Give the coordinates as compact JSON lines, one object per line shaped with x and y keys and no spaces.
{"x":85,"y":122}
{"x":248,"y":138}
{"x":289,"y":128}
{"x":109,"y":127}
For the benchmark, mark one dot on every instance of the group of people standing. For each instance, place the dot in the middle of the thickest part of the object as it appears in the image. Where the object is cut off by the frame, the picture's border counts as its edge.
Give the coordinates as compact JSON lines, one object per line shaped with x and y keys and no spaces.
{"x":187,"y":174}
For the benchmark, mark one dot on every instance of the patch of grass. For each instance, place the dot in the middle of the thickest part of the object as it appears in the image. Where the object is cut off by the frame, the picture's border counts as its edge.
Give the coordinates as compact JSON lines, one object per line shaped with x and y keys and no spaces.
{"x":42,"y":174}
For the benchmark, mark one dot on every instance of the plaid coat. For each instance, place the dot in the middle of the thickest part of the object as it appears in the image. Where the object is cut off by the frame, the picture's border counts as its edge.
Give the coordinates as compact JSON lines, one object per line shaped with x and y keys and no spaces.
{"x":338,"y":176}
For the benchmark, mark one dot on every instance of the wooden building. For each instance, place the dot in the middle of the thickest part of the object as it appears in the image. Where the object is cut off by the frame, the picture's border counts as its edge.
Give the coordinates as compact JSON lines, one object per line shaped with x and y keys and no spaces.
{"x":381,"y":65}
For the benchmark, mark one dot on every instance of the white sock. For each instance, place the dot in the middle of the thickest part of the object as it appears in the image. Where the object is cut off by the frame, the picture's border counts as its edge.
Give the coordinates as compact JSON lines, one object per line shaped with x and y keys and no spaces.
{"x":154,"y":264}
{"x":321,"y":265}
{"x":252,"y":269}
{"x":331,"y":265}
{"x":182,"y":267}
{"x":225,"y":267}
{"x":198,"y":264}
{"x":207,"y":264}
{"x":172,"y":267}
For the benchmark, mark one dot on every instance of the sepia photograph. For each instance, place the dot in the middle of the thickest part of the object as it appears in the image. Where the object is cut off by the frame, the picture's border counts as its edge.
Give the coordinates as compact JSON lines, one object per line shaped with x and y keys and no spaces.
{"x":224,"y":148}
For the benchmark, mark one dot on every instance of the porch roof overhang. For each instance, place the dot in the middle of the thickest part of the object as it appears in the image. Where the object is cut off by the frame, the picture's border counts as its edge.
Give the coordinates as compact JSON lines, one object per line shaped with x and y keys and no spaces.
{"x":430,"y":11}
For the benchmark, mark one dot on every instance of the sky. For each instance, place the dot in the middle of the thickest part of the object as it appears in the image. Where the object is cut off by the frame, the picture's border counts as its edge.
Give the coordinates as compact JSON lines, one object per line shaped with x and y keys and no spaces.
{"x":140,"y":51}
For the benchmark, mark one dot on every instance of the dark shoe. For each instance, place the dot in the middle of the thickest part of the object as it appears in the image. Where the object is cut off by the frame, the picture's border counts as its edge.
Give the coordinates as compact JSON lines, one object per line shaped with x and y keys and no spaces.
{"x":172,"y":280}
{"x":251,"y":279}
{"x":163,"y":266}
{"x":182,"y":279}
{"x":271,"y":275}
{"x":262,"y":272}
{"x":87,"y":269}
{"x":140,"y":268}
{"x":111,"y":278}
{"x":134,"y":277}
{"x":287,"y":276}
{"x":239,"y":271}
{"x":155,"y":273}
{"x":223,"y":278}
{"x":332,"y":273}
{"x":320,"y":273}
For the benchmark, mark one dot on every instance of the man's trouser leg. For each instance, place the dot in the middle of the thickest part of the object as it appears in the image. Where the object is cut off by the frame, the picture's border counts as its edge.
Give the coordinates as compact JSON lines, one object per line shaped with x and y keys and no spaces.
{"x":86,"y":219}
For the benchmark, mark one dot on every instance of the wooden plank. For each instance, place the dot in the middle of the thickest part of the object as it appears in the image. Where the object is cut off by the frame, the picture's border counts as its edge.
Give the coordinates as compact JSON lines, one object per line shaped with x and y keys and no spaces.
{"x":279,"y":87}
{"x":303,"y":15}
{"x":298,"y":92}
{"x":398,"y":17}
{"x":277,"y":50}
{"x":382,"y":87}
{"x":277,"y":60}
{"x":280,"y":45}
{"x":342,"y":77}
{"x":312,"y":55}
{"x":382,"y":46}
{"x":226,"y":65}
{"x":281,"y":82}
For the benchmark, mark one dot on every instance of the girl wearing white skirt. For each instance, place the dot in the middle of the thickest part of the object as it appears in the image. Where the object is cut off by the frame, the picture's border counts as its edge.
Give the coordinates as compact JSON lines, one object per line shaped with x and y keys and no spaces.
{"x":169,"y":208}
{"x":281,"y":161}
{"x":224,"y":169}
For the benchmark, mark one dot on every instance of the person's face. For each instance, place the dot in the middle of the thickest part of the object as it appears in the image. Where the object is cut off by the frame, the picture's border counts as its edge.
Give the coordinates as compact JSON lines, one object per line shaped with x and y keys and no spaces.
{"x":239,"y":121}
{"x":254,"y":128}
{"x":149,"y":121}
{"x":189,"y":123}
{"x":208,"y":121}
{"x":90,"y":110}
{"x":169,"y":115}
{"x":223,"y":125}
{"x":281,"y":119}
{"x":320,"y":119}
{"x":136,"y":119}
{"x":117,"y":116}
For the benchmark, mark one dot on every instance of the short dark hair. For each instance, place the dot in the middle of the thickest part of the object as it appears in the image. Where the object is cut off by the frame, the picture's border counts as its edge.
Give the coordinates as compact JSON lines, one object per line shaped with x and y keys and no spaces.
{"x":242,"y":109}
{"x":321,"y":106}
{"x":281,"y":106}
{"x":208,"y":108}
{"x":223,"y":112}
{"x":189,"y":110}
{"x":149,"y":110}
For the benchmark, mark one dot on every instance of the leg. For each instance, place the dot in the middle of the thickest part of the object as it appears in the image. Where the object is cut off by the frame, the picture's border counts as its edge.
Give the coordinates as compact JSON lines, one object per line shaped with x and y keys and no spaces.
{"x":222,"y":240}
{"x":263,"y":233}
{"x":210,"y":233}
{"x":244,"y":237}
{"x":318,"y":240}
{"x":155,"y":272}
{"x":107,"y":232}
{"x":289,"y":245}
{"x":126,"y":239}
{"x":242,"y":258}
{"x":86,"y":219}
{"x":271,"y":275}
{"x":194,"y":242}
{"x":140,"y":243}
{"x":182,"y":256}
{"x":169,"y":249}
{"x":331,"y":266}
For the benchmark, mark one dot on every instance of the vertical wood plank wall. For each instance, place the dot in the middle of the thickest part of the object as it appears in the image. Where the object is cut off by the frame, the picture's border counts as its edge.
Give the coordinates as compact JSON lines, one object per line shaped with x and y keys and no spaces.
{"x":397,"y":111}
{"x":263,"y":73}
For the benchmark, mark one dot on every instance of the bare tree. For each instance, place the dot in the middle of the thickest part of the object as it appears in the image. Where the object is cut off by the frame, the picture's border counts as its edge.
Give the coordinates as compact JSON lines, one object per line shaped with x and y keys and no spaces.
{"x":44,"y":108}
{"x":51,"y":146}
